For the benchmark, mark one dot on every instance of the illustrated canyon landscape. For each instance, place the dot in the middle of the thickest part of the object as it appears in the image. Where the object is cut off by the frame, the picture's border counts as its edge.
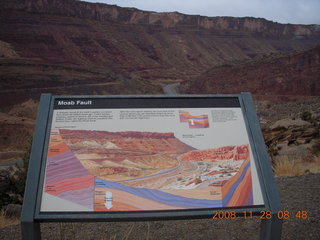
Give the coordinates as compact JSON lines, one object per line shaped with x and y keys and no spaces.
{"x":155,"y":171}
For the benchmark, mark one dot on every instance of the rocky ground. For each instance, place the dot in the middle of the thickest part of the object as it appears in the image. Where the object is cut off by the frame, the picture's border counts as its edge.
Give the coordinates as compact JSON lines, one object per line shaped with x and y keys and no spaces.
{"x":297,"y":193}
{"x":279,"y":107}
{"x":291,"y":132}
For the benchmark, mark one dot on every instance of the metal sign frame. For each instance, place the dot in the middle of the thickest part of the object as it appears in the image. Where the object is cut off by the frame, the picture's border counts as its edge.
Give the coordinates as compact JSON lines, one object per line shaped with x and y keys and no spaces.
{"x":32,"y":217}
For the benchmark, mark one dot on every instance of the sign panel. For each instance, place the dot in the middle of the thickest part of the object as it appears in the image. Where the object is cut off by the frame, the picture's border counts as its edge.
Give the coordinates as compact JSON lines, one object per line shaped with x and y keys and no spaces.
{"x":105,"y":157}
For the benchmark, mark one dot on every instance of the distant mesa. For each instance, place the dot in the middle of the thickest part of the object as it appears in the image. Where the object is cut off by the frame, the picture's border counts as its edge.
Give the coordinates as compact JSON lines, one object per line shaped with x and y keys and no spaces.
{"x":148,"y":142}
{"x":124,"y":155}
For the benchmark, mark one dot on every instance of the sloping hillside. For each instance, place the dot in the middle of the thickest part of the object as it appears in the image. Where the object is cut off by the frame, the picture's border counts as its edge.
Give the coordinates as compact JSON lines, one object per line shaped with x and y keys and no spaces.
{"x":151,"y":45}
{"x":294,"y":74}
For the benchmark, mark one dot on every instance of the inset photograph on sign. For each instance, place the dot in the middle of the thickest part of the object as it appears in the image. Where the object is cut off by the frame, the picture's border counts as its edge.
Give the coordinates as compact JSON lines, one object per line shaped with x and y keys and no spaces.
{"x":145,"y":159}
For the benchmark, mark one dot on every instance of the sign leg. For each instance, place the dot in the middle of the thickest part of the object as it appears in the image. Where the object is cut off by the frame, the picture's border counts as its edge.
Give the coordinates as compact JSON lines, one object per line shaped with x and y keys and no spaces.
{"x":271,"y":228}
{"x":30,"y":230}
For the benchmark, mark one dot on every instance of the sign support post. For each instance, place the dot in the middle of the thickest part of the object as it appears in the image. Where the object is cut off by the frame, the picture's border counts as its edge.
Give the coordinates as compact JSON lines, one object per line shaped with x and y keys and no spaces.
{"x":30,"y":229}
{"x":270,"y":228}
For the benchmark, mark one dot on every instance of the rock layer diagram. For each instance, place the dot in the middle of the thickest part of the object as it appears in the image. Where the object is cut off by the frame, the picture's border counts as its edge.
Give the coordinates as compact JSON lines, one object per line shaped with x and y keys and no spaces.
{"x":200,"y":121}
{"x":134,"y":171}
{"x":65,"y":176}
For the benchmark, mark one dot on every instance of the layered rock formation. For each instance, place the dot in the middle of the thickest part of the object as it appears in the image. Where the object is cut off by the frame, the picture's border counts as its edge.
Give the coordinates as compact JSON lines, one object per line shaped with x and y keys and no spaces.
{"x":223,"y":153}
{"x":152,"y":45}
{"x":293,"y":137}
{"x":147,"y":142}
{"x":293,"y":74}
{"x":123,"y":155}
{"x":105,"y":13}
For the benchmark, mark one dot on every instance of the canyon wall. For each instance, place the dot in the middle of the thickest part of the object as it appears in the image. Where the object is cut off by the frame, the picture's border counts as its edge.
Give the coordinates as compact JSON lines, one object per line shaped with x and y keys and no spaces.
{"x":294,"y":74}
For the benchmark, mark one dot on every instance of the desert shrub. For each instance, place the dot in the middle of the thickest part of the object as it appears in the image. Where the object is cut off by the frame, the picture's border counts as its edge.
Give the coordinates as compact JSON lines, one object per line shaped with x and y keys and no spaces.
{"x":8,"y":191}
{"x":12,"y":211}
{"x":308,"y":158}
{"x":306,"y":116}
{"x":285,"y":166}
{"x":12,"y":181}
{"x":317,"y":162}
{"x":273,"y":151}
{"x":5,"y":222}
{"x":4,"y":188}
{"x":27,"y":109}
{"x":315,"y":149}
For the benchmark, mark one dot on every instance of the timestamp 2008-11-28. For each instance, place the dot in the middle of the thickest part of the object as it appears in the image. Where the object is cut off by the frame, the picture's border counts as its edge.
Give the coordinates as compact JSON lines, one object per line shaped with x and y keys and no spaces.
{"x":283,"y":215}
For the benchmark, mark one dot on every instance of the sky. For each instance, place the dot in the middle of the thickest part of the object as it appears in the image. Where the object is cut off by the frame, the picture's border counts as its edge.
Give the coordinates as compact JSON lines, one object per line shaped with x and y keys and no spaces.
{"x":282,"y":11}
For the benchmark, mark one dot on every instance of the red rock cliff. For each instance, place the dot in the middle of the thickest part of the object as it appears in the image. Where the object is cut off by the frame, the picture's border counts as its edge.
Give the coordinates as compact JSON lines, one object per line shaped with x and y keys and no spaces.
{"x":104,"y":12}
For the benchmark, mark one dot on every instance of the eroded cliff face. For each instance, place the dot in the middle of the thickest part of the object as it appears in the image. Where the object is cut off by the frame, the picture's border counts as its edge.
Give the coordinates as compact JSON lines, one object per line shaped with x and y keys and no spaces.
{"x":152,"y":45}
{"x":104,"y":12}
{"x":74,"y":47}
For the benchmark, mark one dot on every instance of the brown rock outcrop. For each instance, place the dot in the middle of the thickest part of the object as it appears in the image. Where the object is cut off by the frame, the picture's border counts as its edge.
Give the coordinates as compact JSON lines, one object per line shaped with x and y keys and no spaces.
{"x":291,"y":132}
{"x":293,"y":138}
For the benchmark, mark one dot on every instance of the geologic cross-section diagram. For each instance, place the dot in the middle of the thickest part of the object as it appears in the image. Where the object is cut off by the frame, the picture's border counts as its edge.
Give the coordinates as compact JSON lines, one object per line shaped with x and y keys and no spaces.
{"x":134,"y":171}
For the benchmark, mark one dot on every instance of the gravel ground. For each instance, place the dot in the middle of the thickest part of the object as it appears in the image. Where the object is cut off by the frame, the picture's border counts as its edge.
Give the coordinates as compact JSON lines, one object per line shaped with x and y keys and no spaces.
{"x":297,"y":193}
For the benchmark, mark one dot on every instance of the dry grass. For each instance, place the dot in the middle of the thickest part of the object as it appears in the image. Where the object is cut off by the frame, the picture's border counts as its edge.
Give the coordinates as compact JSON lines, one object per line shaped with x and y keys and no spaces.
{"x":6,"y":222}
{"x":285,"y":166}
{"x":295,"y":166}
{"x":26,"y":109}
{"x":316,"y":168}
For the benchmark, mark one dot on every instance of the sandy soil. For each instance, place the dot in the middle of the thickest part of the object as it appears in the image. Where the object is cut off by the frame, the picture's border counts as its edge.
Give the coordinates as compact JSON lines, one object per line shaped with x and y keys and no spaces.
{"x":297,"y":193}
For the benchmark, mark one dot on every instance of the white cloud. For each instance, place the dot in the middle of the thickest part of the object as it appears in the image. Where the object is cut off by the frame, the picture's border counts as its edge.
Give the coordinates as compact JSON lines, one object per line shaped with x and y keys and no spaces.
{"x":283,"y":11}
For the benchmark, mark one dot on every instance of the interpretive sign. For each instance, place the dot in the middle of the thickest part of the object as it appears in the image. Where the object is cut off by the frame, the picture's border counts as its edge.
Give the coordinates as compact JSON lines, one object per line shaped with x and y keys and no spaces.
{"x":148,"y":157}
{"x":102,"y":159}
